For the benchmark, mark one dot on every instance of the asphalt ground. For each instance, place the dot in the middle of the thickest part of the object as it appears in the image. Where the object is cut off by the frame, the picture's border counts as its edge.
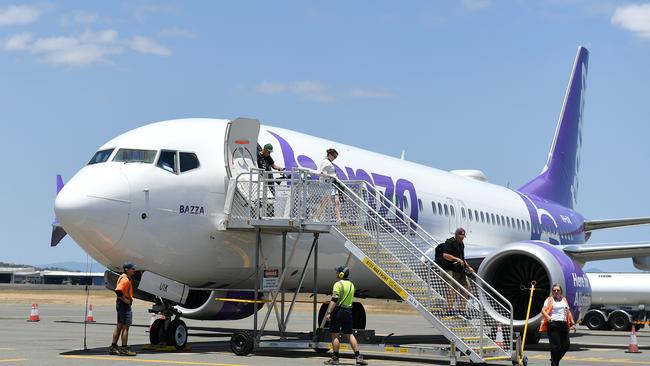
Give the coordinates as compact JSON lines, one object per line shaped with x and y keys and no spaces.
{"x":58,"y":339}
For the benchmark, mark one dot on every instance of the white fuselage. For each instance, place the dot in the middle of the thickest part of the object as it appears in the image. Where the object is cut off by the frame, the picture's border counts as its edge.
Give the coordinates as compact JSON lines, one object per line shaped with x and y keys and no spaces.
{"x":170,"y":223}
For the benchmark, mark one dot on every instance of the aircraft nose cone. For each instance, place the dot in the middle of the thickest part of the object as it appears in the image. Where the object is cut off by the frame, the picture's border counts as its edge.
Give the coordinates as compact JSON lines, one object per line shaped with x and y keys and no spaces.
{"x":94,"y":207}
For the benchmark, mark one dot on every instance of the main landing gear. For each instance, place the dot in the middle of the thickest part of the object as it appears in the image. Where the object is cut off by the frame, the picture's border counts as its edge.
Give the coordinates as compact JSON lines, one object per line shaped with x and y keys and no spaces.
{"x":170,"y":329}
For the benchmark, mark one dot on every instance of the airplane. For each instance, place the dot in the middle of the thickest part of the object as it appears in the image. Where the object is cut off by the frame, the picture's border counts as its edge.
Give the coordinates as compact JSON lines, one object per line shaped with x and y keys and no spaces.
{"x":155,"y":196}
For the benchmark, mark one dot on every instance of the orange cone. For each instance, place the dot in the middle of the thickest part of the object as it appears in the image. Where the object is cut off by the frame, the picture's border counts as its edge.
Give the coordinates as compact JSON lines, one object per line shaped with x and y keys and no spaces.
{"x":89,"y":316}
{"x":499,"y":337}
{"x":634,"y":346}
{"x":33,"y":315}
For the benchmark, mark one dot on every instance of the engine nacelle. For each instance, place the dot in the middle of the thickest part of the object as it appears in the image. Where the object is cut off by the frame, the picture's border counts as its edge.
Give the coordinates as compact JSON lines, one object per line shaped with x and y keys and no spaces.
{"x":511,"y":269}
{"x":204,"y":305}
{"x":642,"y":263}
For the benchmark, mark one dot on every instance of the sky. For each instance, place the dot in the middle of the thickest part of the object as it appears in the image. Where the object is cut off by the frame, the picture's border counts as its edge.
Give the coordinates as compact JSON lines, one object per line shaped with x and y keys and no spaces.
{"x":473,"y":84}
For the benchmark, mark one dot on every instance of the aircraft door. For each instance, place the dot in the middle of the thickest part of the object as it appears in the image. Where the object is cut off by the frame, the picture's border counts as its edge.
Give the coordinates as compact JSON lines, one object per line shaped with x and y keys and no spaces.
{"x":241,"y":145}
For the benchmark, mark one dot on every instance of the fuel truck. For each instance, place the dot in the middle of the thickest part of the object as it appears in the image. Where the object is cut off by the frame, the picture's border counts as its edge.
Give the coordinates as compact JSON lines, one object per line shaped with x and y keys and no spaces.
{"x":618,"y":301}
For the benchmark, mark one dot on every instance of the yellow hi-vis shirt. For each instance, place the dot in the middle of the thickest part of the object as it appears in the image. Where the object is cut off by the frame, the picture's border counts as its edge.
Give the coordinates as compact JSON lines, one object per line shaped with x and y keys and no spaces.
{"x":344,"y":291}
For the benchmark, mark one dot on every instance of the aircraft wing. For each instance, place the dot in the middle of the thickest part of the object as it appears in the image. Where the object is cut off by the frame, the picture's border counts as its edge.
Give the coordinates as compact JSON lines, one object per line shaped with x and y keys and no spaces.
{"x":594,"y":252}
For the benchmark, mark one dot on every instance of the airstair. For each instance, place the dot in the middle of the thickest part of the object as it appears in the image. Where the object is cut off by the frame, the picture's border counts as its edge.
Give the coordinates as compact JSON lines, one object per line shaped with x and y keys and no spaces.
{"x":478,"y":323}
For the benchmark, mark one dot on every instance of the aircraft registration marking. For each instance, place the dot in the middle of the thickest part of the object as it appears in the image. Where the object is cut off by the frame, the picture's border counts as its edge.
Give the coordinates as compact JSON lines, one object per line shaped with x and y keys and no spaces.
{"x":385,"y":278}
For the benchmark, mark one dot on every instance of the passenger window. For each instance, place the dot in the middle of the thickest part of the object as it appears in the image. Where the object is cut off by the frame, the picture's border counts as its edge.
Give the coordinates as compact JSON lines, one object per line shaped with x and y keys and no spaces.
{"x":527,"y":226}
{"x":498,"y":221}
{"x":433,"y":207}
{"x":439,"y":209}
{"x":406,"y":203}
{"x":188,"y":161}
{"x":476,"y":215}
{"x":135,"y":156}
{"x":101,"y":156}
{"x":503,"y":221}
{"x":462,"y":212}
{"x":420,"y":205}
{"x":451,"y":208}
{"x":482,"y":217}
{"x":446,"y":210}
{"x":469,"y":213}
{"x":167,"y":161}
{"x":492,"y":218}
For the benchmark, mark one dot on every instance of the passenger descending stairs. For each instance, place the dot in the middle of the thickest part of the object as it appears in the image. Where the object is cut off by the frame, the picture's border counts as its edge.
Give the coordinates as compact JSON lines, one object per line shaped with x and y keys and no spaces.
{"x":395,"y":248}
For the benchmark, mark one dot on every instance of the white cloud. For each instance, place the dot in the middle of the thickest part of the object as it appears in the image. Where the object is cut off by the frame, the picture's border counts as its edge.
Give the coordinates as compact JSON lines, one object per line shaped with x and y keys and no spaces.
{"x":82,"y":49}
{"x":475,"y":4}
{"x":634,"y":18}
{"x":147,"y":45}
{"x":18,"y":42}
{"x":316,"y":91}
{"x":176,"y":32}
{"x":20,"y":14}
{"x":79,"y":17}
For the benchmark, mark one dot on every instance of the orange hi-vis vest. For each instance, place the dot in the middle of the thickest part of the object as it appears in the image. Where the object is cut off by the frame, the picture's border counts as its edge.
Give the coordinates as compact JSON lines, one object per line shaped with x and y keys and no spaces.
{"x":549,"y":309}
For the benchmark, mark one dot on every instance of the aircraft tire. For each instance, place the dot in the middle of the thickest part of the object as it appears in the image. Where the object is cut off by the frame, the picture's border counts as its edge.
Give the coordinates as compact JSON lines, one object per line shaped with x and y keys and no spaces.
{"x":157,"y":332}
{"x":177,"y":334}
{"x":358,"y":316}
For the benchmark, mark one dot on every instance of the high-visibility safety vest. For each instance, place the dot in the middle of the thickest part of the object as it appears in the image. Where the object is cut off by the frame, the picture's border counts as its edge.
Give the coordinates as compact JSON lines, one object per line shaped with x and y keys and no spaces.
{"x":344,"y":291}
{"x":549,"y":309}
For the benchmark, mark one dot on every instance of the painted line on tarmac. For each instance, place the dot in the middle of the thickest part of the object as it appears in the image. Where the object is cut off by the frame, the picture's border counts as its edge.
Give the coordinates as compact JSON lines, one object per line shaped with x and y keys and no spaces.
{"x":13,"y":360}
{"x":7,"y":349}
{"x":626,"y":361}
{"x":131,"y":359}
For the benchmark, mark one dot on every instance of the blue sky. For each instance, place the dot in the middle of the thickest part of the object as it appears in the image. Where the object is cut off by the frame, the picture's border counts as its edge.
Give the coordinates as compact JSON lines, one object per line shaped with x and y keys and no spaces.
{"x":457,"y":84}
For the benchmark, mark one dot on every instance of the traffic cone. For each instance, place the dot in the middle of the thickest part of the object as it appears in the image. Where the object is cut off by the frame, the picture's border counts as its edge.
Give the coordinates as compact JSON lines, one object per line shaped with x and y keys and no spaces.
{"x":499,"y":337}
{"x":89,"y":316}
{"x":634,"y":346}
{"x":33,"y":315}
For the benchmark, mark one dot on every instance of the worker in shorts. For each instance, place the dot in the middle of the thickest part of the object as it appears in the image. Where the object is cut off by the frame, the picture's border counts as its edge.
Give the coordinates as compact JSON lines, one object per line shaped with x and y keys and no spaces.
{"x":339,"y":314}
{"x":124,"y":292}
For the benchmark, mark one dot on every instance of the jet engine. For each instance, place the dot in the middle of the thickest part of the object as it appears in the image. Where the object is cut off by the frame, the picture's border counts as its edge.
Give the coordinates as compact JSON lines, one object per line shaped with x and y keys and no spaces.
{"x":207,"y":305}
{"x":511,"y":269}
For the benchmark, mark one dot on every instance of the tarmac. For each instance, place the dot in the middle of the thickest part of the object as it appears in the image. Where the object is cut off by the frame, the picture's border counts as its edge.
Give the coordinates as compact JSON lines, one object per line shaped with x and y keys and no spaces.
{"x":62,"y":338}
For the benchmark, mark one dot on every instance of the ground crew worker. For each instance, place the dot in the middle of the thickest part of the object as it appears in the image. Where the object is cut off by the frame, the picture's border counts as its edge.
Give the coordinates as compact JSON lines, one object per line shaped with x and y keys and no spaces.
{"x":339,"y":313}
{"x":124,"y":292}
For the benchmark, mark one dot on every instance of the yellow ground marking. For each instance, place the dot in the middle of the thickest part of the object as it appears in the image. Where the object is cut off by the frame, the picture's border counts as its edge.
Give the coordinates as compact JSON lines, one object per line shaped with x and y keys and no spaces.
{"x":13,"y":360}
{"x":142,"y":360}
{"x":605,"y":360}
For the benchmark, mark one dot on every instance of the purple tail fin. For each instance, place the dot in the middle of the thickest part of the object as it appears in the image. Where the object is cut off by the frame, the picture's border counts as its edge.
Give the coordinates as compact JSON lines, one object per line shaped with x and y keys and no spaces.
{"x":558,"y":181}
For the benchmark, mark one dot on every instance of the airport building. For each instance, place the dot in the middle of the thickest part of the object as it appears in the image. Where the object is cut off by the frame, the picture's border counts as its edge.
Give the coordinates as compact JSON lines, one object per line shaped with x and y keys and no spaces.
{"x":34,"y":276}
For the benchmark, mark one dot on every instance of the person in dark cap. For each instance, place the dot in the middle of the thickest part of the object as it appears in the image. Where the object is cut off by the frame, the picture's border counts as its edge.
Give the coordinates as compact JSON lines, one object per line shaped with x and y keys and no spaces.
{"x":455,"y":265}
{"x":339,"y":313}
{"x":266,"y":162}
{"x":124,"y":292}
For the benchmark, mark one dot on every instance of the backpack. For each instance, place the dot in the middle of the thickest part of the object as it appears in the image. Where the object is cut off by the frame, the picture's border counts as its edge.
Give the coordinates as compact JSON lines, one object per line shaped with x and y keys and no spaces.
{"x":438,"y":254}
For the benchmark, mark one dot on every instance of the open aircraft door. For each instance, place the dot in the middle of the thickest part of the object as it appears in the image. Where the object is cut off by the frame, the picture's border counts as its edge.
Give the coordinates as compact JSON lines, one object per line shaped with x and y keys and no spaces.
{"x":240,"y":155}
{"x":241,"y":145}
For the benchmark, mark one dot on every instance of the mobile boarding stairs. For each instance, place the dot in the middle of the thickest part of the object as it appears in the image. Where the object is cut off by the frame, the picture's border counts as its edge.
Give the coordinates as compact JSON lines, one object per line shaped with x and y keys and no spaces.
{"x":382,"y":237}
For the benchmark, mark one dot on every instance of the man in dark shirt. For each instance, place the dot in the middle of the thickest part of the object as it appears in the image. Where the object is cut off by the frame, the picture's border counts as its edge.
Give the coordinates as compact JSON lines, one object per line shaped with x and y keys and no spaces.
{"x":265,"y":161}
{"x":454,"y":263}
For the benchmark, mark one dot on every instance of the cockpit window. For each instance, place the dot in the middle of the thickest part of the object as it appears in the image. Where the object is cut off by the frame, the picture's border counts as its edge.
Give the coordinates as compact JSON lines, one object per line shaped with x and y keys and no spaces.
{"x":167,"y":161}
{"x":188,"y":161}
{"x":135,"y":156}
{"x":100,"y":156}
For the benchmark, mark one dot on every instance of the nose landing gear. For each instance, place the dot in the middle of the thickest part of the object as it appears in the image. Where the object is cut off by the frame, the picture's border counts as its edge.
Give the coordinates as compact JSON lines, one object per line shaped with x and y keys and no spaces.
{"x":167,"y":331}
